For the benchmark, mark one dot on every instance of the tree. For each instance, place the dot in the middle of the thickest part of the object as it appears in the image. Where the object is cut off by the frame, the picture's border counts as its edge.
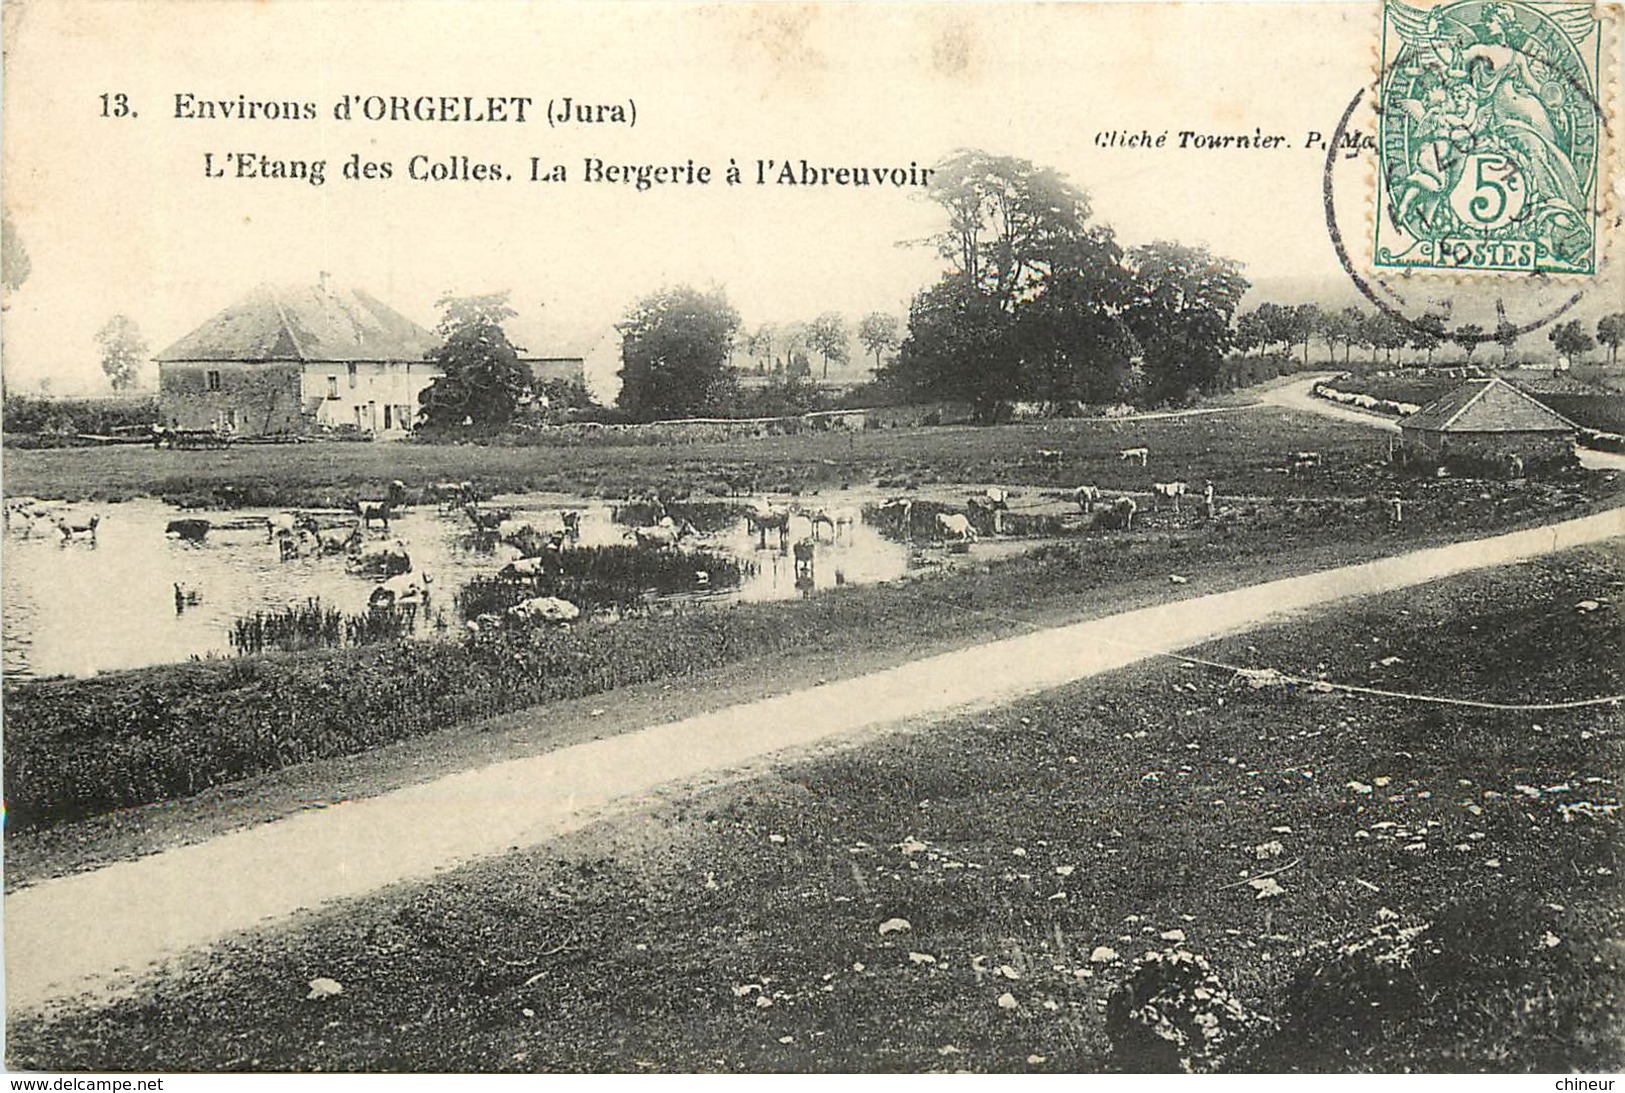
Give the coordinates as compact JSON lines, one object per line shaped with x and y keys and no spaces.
{"x":1334,"y":330}
{"x":1028,"y":305}
{"x":674,"y":353}
{"x":759,"y":346}
{"x":123,"y":350}
{"x":482,"y":380}
{"x":1182,"y":301}
{"x":1610,"y":331}
{"x":14,"y":263}
{"x":1276,"y":325}
{"x":1072,"y":346}
{"x":1469,"y":336}
{"x":1355,"y":330}
{"x":1426,"y":334}
{"x":958,"y":347}
{"x":826,"y":335}
{"x":1387,"y":334}
{"x":878,"y":333}
{"x":1570,"y":340}
{"x":1251,"y":332}
{"x":1009,"y":222}
{"x":1506,"y":336}
{"x":793,"y":341}
{"x":1298,"y":325}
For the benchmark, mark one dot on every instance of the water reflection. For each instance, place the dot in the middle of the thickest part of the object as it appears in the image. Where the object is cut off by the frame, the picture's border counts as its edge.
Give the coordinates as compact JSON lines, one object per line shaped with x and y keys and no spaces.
{"x":136,"y":597}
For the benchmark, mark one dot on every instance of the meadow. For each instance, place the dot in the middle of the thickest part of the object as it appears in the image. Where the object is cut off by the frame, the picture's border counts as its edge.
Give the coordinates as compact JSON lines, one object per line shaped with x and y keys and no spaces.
{"x":1377,"y":884}
{"x":82,"y":747}
{"x":1241,"y":449}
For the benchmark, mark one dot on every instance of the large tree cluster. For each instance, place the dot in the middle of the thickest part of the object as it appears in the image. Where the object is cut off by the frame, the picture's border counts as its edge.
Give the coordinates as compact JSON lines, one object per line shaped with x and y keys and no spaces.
{"x":674,"y":354}
{"x":1040,"y":302}
{"x":483,"y":380}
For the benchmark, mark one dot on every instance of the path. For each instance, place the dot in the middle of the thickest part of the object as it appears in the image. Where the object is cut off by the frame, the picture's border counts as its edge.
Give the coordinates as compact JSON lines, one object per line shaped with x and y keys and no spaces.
{"x":1296,"y":396}
{"x":76,"y":933}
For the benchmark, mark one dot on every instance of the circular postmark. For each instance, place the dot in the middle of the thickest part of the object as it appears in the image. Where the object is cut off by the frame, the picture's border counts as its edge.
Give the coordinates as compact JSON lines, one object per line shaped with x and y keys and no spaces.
{"x":1488,"y":154}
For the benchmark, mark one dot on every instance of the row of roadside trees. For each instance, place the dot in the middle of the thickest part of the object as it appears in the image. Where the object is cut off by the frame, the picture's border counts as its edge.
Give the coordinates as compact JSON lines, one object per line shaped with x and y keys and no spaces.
{"x":1287,"y":328}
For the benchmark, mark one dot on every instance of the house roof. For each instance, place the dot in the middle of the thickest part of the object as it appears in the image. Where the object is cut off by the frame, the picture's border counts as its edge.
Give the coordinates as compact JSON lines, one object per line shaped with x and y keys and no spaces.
{"x":315,"y":323}
{"x":1487,"y":406}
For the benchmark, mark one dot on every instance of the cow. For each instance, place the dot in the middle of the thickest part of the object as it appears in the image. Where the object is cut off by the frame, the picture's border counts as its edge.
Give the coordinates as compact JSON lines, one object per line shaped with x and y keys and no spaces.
{"x":1169,"y":491}
{"x":1302,"y":462}
{"x":1134,"y":455}
{"x":548,"y":609}
{"x":187,"y":529}
{"x":1123,"y":509}
{"x":900,"y":509}
{"x":380,"y":560}
{"x":77,"y":525}
{"x":804,"y":551}
{"x":409,"y":587}
{"x":956,"y":526}
{"x":453,"y":495}
{"x":817,"y":518}
{"x":665,"y":534}
{"x":286,"y":524}
{"x":764,"y":518}
{"x":370,"y":509}
{"x":1087,"y":497}
{"x":487,"y":520}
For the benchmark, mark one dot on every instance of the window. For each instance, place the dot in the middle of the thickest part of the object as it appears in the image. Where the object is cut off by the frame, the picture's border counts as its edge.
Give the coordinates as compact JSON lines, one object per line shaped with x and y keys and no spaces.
{"x":332,"y":387}
{"x":352,"y":375}
{"x":213,"y":379}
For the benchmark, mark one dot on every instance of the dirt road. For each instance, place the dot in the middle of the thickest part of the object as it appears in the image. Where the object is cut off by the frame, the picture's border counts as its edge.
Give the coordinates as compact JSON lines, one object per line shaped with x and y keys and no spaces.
{"x":83,"y":932}
{"x":1296,"y":396}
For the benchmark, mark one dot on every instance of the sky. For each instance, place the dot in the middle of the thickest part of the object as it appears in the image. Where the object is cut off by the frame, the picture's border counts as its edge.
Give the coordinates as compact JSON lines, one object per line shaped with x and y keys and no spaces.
{"x":118,"y":216}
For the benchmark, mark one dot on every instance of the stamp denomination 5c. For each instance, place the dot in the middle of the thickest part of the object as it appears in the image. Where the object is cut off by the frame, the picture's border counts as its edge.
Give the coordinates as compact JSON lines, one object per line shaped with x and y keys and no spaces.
{"x":1490,"y":134}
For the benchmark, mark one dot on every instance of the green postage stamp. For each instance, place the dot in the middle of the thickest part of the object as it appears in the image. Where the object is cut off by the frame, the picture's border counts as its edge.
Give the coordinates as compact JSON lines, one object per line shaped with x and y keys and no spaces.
{"x":1490,"y":138}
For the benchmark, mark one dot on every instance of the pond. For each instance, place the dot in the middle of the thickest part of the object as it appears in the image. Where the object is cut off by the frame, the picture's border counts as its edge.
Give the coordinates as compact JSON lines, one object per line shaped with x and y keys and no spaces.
{"x":80,"y":608}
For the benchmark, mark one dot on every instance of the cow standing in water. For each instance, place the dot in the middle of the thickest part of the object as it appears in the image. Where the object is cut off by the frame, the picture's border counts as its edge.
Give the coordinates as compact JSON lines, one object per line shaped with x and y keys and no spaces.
{"x":370,"y":509}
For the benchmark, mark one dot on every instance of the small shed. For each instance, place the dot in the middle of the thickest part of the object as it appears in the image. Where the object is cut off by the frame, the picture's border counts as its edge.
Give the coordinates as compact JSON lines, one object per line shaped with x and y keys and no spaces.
{"x":1486,"y":422}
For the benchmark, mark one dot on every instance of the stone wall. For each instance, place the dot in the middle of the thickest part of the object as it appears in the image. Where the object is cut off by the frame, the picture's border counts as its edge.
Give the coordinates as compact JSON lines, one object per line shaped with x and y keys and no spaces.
{"x":1488,"y":451}
{"x":248,"y":399}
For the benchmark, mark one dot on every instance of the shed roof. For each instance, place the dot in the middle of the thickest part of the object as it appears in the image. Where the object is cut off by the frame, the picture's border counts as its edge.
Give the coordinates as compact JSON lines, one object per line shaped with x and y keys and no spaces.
{"x":278,"y":323}
{"x":1487,"y":406}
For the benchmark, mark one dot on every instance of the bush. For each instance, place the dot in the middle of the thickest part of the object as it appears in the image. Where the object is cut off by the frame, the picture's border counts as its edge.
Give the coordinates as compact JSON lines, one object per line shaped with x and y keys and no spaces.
{"x":1244,"y":371}
{"x":1500,"y":985}
{"x":44,"y":417}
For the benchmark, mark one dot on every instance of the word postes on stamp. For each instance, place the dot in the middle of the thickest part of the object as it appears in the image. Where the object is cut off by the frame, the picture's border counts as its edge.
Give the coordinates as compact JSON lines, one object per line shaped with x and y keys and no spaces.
{"x":1489,"y":138}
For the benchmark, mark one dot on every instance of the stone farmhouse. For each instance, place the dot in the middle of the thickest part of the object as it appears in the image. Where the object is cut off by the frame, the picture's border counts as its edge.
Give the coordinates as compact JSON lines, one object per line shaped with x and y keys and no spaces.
{"x":298,"y":360}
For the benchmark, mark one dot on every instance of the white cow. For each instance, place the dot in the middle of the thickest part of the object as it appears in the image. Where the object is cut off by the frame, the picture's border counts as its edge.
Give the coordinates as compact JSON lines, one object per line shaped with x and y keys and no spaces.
{"x":1134,"y":455}
{"x":549,"y":609}
{"x":411,"y":587}
{"x":1168,"y":490}
{"x":1087,"y":497}
{"x":956,"y":525}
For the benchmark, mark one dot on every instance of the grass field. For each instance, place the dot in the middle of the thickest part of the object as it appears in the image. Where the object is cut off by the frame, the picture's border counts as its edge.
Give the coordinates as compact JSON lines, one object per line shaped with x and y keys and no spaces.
{"x":1241,"y":450}
{"x":1446,"y":885}
{"x":78,"y":748}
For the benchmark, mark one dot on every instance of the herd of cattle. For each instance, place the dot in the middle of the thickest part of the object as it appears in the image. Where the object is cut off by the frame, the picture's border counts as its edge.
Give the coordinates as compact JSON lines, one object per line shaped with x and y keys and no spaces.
{"x":361,"y":534}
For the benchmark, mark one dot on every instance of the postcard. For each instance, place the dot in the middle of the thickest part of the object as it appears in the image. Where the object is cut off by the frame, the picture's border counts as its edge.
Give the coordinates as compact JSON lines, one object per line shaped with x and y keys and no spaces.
{"x":697,"y":538}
